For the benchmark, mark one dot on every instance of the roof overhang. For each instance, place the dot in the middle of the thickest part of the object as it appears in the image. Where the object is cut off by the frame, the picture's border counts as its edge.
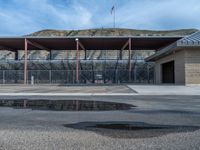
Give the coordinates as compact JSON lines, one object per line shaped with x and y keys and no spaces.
{"x":191,"y":41}
{"x":90,"y":43}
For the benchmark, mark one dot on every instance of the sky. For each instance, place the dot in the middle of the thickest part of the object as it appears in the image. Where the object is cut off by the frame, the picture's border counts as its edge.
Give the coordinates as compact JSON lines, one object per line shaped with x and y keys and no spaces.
{"x":20,"y":17}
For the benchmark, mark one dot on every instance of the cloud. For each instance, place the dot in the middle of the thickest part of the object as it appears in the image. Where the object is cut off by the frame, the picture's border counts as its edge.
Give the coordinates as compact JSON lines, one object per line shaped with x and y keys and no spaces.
{"x":26,"y":16}
{"x":22,"y":17}
{"x":162,"y":14}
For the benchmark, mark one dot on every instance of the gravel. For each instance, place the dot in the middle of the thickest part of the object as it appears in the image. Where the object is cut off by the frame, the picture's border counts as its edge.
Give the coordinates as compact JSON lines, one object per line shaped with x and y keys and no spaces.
{"x":74,"y":139}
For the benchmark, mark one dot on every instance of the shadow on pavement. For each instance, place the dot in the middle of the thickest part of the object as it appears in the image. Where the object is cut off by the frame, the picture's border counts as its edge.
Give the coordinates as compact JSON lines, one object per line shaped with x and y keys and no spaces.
{"x":131,"y":129}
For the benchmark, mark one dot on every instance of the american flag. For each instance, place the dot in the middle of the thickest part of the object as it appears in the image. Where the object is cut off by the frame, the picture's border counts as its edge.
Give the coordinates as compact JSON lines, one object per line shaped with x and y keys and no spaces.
{"x":112,"y":10}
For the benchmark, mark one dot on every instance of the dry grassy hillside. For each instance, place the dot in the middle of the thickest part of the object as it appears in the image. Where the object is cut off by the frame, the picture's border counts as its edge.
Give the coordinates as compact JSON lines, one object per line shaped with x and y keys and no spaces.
{"x":113,"y":32}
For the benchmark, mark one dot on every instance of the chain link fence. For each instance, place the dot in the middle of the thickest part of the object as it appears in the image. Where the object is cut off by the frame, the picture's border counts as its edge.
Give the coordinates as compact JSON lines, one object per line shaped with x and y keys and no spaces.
{"x":140,"y":73}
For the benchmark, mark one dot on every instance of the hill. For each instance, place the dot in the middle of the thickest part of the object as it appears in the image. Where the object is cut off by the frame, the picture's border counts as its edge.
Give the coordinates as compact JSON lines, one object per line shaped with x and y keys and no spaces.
{"x":113,"y":32}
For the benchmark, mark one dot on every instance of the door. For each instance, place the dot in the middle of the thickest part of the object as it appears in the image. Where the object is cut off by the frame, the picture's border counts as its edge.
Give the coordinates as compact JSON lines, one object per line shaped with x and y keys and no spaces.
{"x":168,"y":72}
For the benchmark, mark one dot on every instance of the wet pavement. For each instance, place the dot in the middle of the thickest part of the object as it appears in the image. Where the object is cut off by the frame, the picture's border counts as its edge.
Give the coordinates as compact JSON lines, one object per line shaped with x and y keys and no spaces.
{"x":131,"y":129}
{"x":156,"y":122}
{"x":65,"y":105}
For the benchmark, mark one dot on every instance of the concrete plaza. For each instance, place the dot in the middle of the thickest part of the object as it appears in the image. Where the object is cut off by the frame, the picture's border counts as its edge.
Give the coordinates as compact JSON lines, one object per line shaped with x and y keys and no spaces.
{"x":45,"y":90}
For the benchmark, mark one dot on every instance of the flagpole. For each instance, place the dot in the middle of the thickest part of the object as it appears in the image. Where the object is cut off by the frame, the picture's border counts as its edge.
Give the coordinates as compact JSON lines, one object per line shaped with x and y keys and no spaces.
{"x":113,"y":13}
{"x":114,"y":17}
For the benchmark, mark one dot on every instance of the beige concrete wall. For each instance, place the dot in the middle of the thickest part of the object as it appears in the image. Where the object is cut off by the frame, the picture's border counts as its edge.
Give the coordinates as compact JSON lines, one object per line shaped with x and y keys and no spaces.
{"x":192,"y":66}
{"x":179,"y":62}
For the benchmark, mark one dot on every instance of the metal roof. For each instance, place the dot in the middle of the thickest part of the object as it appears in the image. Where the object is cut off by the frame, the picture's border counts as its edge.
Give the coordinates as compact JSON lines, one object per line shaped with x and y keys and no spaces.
{"x":90,"y":43}
{"x":192,"y":40}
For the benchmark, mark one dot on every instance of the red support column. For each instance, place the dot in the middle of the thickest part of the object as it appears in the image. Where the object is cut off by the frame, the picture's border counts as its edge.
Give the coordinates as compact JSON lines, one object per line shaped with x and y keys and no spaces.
{"x":77,"y":60}
{"x":25,"y":61}
{"x":130,"y":66}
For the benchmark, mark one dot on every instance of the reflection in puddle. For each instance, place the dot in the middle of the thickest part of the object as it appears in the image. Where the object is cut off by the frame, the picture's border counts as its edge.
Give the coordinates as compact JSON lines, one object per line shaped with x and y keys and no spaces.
{"x":130,"y":129}
{"x":65,"y":105}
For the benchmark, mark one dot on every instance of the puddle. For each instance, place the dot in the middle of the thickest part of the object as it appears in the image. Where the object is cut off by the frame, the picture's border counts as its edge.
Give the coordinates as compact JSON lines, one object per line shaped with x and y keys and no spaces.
{"x":130,"y":129}
{"x":65,"y":105}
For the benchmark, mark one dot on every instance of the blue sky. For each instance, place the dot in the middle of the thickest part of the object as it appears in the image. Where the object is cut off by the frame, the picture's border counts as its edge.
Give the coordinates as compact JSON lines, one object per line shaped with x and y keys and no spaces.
{"x":19,"y":17}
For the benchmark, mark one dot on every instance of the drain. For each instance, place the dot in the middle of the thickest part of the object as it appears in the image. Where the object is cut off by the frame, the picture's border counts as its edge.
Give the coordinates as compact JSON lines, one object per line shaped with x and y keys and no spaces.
{"x":65,"y":105}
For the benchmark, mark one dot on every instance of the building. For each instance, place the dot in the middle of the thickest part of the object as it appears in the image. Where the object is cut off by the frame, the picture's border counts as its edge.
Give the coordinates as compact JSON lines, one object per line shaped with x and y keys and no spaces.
{"x":179,"y":62}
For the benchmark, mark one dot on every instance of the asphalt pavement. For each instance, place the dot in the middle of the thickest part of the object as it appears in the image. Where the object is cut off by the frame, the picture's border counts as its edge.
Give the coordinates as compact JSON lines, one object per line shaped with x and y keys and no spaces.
{"x":157,"y":122}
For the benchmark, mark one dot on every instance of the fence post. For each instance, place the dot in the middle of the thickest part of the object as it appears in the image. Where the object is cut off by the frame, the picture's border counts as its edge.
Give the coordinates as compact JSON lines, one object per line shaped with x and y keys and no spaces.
{"x":135,"y":73}
{"x":73,"y":76}
{"x":116,"y":77}
{"x":148,"y":73}
{"x":3,"y":76}
{"x":50,"y":76}
{"x":32,"y":79}
{"x":154,"y":74}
